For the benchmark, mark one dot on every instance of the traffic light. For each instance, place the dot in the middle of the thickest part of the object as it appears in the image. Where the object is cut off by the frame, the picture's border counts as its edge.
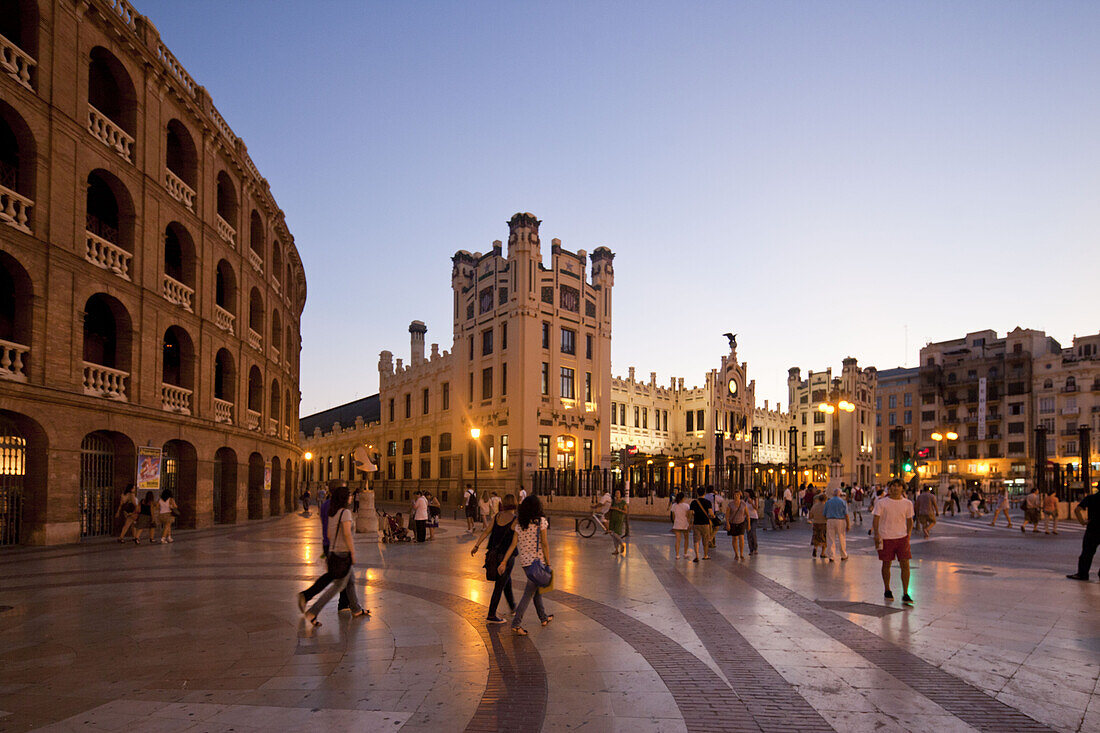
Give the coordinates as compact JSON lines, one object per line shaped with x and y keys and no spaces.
{"x":906,"y":462}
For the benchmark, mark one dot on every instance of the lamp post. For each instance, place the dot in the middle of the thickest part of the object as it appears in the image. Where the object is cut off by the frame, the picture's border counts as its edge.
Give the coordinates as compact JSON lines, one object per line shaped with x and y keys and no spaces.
{"x":834,"y":408}
{"x":942,"y":438}
{"x":308,"y":458}
{"x":475,"y":434}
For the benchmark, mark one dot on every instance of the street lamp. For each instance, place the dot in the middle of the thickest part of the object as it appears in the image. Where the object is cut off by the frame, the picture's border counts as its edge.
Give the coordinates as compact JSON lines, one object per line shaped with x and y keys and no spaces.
{"x":308,"y":457}
{"x":475,"y":434}
{"x":940,"y":437}
{"x":834,"y":409}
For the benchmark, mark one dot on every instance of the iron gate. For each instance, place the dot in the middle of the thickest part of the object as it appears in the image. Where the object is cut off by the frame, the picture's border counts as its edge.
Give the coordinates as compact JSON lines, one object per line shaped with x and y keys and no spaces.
{"x":97,"y":491}
{"x":13,"y":468}
{"x":170,"y":470}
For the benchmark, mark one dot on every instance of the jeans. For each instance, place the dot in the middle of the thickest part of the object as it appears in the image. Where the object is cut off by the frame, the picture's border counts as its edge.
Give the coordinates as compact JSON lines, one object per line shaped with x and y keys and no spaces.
{"x":835,"y":536}
{"x":750,"y":537}
{"x":319,"y":585}
{"x":503,"y":586}
{"x":421,"y":529}
{"x":1089,"y":543}
{"x":531,"y":591}
{"x":338,"y":585}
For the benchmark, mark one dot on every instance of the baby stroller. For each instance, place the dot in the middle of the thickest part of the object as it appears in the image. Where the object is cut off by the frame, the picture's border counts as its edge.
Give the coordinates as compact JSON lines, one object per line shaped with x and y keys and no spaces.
{"x":392,"y":531}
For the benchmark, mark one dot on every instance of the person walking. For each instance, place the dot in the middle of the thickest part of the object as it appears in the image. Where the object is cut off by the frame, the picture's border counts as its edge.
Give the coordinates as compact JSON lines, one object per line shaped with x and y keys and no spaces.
{"x":340,"y":565}
{"x":530,"y":539}
{"x":807,"y":501}
{"x":926,"y":509}
{"x":166,"y":515}
{"x":892,"y":525}
{"x":469,"y":499}
{"x":1033,"y":510}
{"x":304,"y":498}
{"x":420,"y":516}
{"x":495,"y":503}
{"x":753,"y":503}
{"x":788,"y":505}
{"x":702,"y":514}
{"x":616,"y":522}
{"x":499,"y":534}
{"x":435,"y":511}
{"x":681,"y":523}
{"x":144,"y":518}
{"x":737,"y":522}
{"x":857,"y":503}
{"x":1001,"y":506}
{"x":483,"y":507}
{"x":717,"y":505}
{"x":816,"y":515}
{"x":948,"y":503}
{"x":1050,"y":510}
{"x":127,"y":510}
{"x":1091,"y":540}
{"x":837,"y":524}
{"x":769,"y":511}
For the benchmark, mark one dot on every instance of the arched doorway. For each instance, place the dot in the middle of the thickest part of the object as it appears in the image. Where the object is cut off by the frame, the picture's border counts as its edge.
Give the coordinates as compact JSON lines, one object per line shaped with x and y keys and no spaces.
{"x":23,"y":474}
{"x":179,"y":474}
{"x":107,"y":462}
{"x":256,"y":471}
{"x":225,"y":486}
{"x":275,"y":500}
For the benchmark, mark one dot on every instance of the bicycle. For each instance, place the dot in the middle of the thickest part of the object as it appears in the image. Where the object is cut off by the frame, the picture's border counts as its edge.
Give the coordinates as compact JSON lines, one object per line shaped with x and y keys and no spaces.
{"x":586,"y":526}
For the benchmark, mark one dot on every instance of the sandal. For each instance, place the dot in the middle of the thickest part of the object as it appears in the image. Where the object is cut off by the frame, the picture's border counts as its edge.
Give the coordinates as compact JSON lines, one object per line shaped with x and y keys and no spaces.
{"x":312,"y":620}
{"x":519,"y":631}
{"x":548,"y":619}
{"x":361,"y":612}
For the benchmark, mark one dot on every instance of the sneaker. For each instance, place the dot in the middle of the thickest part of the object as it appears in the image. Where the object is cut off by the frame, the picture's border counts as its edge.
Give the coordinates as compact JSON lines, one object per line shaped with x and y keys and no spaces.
{"x":494,"y":620}
{"x":1075,"y":576}
{"x":888,"y":596}
{"x":170,"y":539}
{"x":905,"y":599}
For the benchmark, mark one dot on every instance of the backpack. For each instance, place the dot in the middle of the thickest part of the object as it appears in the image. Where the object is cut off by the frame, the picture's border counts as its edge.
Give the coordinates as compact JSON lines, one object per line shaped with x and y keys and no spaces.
{"x":471,"y":500}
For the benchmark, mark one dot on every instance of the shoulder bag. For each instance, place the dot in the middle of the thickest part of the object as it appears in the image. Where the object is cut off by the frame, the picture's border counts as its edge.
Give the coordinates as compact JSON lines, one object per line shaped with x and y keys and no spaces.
{"x":538,"y":572}
{"x":339,"y":564}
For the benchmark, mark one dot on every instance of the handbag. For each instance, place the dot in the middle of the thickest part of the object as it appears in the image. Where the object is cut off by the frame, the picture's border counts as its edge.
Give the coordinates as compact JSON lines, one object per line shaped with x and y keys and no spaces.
{"x":339,"y":564}
{"x":538,"y":572}
{"x":492,"y":563}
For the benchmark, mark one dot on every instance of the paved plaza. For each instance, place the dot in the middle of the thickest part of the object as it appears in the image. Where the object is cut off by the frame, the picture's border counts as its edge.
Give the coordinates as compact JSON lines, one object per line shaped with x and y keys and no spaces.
{"x":204,"y":635}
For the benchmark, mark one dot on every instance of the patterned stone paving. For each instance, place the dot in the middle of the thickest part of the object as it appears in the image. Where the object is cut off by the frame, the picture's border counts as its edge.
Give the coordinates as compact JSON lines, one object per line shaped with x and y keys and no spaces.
{"x":203,"y":635}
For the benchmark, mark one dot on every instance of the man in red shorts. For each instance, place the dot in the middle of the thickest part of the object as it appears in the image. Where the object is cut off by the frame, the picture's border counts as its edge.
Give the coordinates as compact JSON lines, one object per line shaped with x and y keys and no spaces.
{"x":892,"y":526}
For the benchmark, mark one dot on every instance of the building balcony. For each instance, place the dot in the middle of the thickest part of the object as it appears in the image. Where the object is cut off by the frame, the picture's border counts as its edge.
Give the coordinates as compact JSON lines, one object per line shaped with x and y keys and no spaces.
{"x":223,"y":411}
{"x":256,"y":261}
{"x":226,"y":232}
{"x":175,"y":399}
{"x":1069,"y":433}
{"x":255,"y":340}
{"x":1069,"y":388}
{"x":16,"y":63}
{"x":107,"y":255}
{"x":101,"y":381}
{"x":110,"y":134}
{"x":179,"y":190}
{"x":177,"y":293}
{"x":274,"y":353}
{"x":15,"y":209}
{"x":252,"y":420}
{"x":1071,"y":410}
{"x":223,"y":319}
{"x":13,"y":360}
{"x":286,"y":432}
{"x":272,"y":426}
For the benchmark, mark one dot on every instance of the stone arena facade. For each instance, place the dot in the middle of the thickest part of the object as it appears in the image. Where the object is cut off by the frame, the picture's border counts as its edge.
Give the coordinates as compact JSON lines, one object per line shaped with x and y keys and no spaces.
{"x":150,"y":293}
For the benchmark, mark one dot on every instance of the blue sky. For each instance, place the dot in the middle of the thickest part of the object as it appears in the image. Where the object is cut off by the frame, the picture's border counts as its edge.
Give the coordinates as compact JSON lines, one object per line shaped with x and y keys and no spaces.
{"x":825,"y":179}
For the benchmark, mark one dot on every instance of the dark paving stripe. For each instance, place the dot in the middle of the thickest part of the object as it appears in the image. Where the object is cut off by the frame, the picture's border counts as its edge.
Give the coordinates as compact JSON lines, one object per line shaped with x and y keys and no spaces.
{"x":705,"y":701}
{"x":516,"y":691}
{"x":773,"y":702}
{"x":952,"y":693}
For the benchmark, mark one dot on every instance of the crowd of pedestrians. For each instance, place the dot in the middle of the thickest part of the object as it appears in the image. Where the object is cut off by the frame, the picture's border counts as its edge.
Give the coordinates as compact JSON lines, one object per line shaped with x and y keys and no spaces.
{"x":149,"y":514}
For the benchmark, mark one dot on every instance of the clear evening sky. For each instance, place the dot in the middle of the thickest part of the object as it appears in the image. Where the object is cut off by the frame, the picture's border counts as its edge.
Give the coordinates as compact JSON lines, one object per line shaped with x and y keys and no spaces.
{"x":821,"y":178}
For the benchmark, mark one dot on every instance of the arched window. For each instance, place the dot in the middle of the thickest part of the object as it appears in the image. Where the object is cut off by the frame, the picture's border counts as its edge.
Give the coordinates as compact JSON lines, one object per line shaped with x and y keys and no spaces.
{"x":109,"y":241}
{"x":177,"y":371}
{"x":227,"y":209}
{"x":276,"y":404}
{"x":276,"y":332}
{"x":17,"y":169}
{"x":107,"y":343}
{"x":112,"y":106}
{"x":288,"y":344}
{"x":16,"y":299}
{"x":1071,"y":384}
{"x":276,"y":261}
{"x":179,"y":266}
{"x":288,"y":409}
{"x":256,"y":241}
{"x":182,"y":163}
{"x":255,"y":390}
{"x":255,"y":318}
{"x":225,"y":377}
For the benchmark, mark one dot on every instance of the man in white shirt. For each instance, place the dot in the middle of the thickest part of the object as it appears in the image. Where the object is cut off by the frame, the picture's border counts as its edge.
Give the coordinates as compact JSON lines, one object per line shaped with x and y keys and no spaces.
{"x":420,"y":516}
{"x":522,"y":495}
{"x":892,"y":526}
{"x":601,"y":507}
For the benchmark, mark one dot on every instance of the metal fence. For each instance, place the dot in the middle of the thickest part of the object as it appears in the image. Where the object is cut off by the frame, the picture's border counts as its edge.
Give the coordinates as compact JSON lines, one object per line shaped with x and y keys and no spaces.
{"x":97,"y":492}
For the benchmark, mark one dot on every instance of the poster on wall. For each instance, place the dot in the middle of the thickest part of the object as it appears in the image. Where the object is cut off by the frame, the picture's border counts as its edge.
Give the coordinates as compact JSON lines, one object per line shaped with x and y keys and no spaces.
{"x":148,"y":468}
{"x":267,"y":479}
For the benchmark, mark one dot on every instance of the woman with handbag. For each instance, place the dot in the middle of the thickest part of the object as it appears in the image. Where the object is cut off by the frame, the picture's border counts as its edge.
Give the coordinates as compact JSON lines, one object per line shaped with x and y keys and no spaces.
{"x":128,"y":510}
{"x":534,"y":556}
{"x":340,"y":560}
{"x":167,"y":509}
{"x":500,"y":534}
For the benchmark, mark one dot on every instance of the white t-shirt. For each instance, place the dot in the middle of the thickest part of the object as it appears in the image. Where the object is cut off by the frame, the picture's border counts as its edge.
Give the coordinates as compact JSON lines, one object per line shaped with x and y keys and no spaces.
{"x":494,"y":504}
{"x":681,"y":515}
{"x":605,"y":503}
{"x":522,"y":494}
{"x":528,"y":542}
{"x":892,"y":514}
{"x":787,"y":495}
{"x":420,"y":508}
